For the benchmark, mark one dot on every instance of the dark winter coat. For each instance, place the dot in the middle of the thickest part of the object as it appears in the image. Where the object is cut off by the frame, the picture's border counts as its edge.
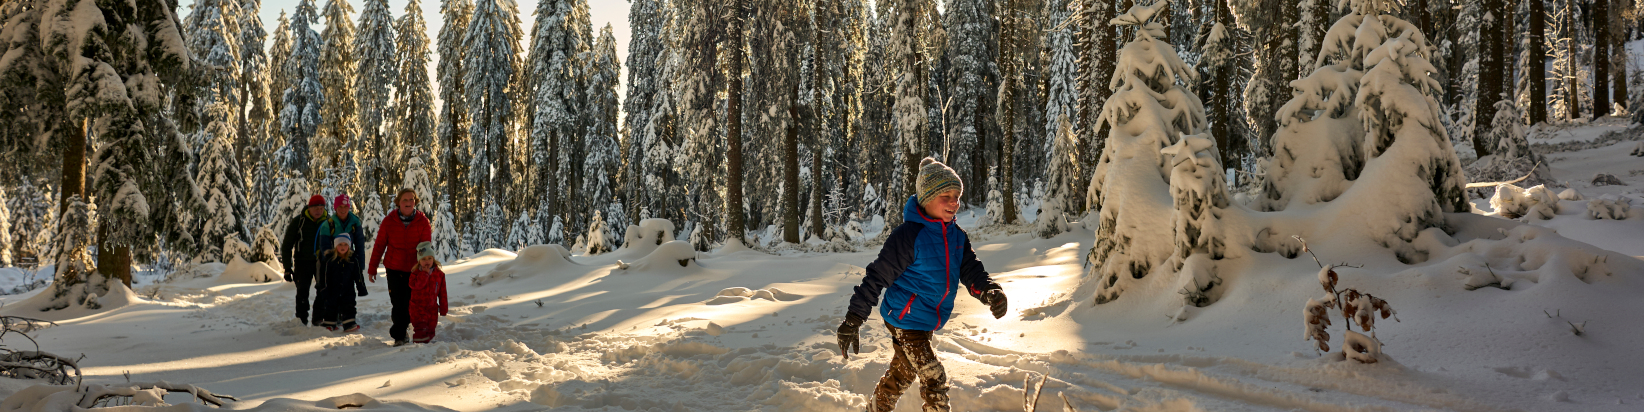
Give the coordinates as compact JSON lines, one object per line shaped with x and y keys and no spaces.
{"x":920,"y":269}
{"x":295,"y":245}
{"x":333,"y":226}
{"x":340,"y":273}
{"x":396,"y":244}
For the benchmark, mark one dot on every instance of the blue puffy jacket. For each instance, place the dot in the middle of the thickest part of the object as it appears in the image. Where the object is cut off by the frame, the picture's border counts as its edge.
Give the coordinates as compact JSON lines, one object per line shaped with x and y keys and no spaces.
{"x":920,"y":269}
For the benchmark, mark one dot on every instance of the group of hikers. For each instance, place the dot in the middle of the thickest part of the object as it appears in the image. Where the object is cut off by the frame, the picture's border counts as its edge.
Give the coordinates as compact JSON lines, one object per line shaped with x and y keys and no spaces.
{"x":318,"y":251}
{"x":919,"y":269}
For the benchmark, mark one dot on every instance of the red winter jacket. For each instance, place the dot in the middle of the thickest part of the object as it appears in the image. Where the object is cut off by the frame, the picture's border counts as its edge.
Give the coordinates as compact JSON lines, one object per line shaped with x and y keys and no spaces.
{"x":426,"y":288}
{"x":400,"y":241}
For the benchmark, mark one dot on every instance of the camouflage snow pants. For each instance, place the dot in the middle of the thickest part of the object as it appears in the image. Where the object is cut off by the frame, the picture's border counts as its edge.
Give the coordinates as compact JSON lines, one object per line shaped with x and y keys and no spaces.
{"x":914,"y":359}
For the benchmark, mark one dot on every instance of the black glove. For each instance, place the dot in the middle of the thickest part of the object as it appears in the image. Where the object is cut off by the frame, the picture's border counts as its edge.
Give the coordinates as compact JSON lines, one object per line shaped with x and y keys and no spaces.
{"x":363,"y":292}
{"x":848,"y":335}
{"x":995,"y":299}
{"x":288,"y":274}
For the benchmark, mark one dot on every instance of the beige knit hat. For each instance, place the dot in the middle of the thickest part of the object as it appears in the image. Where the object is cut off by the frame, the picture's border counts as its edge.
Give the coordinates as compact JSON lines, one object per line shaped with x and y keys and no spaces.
{"x":935,"y":178}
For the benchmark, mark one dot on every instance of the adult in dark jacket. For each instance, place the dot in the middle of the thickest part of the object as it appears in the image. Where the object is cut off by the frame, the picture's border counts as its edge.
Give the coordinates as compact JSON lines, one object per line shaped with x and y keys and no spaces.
{"x":920,"y":269}
{"x":339,"y":278}
{"x":297,"y":251}
{"x":396,"y":248}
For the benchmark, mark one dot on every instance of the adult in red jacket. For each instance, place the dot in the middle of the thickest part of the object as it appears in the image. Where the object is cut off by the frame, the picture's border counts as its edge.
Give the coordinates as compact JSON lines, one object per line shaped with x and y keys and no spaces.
{"x":397,"y":238}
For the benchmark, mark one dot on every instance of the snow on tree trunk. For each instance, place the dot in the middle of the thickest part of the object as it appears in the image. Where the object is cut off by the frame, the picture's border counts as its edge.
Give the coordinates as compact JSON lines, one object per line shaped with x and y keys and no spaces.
{"x":1150,"y":108}
{"x":5,"y":230}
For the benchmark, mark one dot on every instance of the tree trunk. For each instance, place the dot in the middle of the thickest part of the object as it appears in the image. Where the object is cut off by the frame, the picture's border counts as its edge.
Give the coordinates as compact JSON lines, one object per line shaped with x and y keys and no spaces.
{"x":1010,"y":51}
{"x":1220,"y":94}
{"x":1618,"y":55}
{"x":790,"y":172}
{"x":1571,"y":94}
{"x":817,"y":191}
{"x":735,"y":223}
{"x":74,"y":165}
{"x":1536,"y":66}
{"x":1601,"y":58}
{"x":978,"y":156}
{"x":1488,"y":89}
{"x":114,"y":262}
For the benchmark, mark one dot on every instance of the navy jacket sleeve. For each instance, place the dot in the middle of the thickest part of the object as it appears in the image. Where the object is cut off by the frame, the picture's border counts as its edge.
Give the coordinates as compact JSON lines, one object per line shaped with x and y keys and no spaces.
{"x":894,"y":258}
{"x":288,"y":243}
{"x":973,"y":276}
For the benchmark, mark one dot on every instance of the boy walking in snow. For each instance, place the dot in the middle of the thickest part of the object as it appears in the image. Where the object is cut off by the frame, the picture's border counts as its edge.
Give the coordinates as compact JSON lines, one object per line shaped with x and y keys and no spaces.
{"x":298,"y":250}
{"x":920,"y":269}
{"x":339,"y":277}
{"x":427,"y":294}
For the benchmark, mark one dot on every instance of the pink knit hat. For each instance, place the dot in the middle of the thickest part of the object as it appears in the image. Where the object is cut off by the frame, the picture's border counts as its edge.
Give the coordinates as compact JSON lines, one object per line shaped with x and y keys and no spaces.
{"x":340,"y":201}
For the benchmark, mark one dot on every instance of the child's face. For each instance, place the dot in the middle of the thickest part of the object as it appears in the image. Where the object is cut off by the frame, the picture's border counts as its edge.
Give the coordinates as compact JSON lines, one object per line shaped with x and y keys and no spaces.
{"x":944,"y":206}
{"x":426,"y":261}
{"x":342,"y":248}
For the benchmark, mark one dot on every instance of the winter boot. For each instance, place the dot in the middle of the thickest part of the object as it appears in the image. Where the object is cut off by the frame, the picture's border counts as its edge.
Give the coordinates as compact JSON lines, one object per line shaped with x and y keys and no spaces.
{"x":348,"y":327}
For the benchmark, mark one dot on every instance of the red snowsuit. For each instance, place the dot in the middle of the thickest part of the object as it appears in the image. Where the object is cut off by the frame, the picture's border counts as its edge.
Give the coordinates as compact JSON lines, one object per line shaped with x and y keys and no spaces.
{"x":428,"y":303}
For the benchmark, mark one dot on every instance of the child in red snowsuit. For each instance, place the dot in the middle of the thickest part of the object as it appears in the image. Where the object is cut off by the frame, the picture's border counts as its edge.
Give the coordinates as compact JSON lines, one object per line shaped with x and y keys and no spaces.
{"x":428,"y":299}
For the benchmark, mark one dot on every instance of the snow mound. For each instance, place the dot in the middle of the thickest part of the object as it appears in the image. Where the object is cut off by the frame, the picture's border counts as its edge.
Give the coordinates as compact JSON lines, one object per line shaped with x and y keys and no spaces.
{"x":1513,"y":202}
{"x":676,"y":252}
{"x":652,"y":232}
{"x":531,"y":261}
{"x":1610,"y":207}
{"x":240,"y":271}
{"x":739,"y":294}
{"x":1530,"y":253}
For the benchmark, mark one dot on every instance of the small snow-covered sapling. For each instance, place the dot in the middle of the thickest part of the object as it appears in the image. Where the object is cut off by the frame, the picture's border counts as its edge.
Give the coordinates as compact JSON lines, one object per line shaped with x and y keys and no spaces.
{"x":1355,"y":307}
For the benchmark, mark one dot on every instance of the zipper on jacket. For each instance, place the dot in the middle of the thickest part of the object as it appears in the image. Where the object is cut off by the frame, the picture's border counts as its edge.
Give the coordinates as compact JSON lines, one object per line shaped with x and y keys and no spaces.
{"x":947,"y":275}
{"x":907,"y":306}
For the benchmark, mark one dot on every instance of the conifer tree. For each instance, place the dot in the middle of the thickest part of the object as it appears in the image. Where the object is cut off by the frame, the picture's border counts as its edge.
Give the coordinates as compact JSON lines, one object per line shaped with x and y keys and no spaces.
{"x":1535,"y":61}
{"x":222,"y":186}
{"x":278,"y":80}
{"x":971,"y":47}
{"x":491,"y":65}
{"x":556,"y":100}
{"x":255,"y":111}
{"x":339,"y":127}
{"x":447,"y":242}
{"x":304,"y":96}
{"x":374,"y":80}
{"x":452,"y":135}
{"x":1098,"y":43}
{"x":413,"y":117}
{"x":603,"y":159}
{"x":646,"y":55}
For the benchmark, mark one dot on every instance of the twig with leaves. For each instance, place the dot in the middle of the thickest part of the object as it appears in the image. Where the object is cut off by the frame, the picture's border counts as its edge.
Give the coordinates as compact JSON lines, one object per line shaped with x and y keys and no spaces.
{"x":1355,"y":306}
{"x":34,"y":364}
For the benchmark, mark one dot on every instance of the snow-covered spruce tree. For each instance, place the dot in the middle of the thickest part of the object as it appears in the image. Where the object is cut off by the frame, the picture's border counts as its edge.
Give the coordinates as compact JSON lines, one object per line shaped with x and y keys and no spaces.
{"x":1098,"y":48}
{"x":293,"y":194}
{"x":491,"y":65}
{"x":1410,"y":170}
{"x":34,"y":218}
{"x":266,"y":248}
{"x":1273,"y":26}
{"x":519,"y":232}
{"x":76,"y":281}
{"x":1062,"y":78}
{"x":413,"y":109}
{"x":304,"y":96}
{"x":1512,"y":157}
{"x":598,"y":240}
{"x":489,"y":226}
{"x":1200,"y":196}
{"x":254,"y":111}
{"x":452,"y":134}
{"x":278,"y":78}
{"x":554,"y":96}
{"x":1064,"y":165}
{"x":1150,"y":108}
{"x":447,"y":242}
{"x":696,"y":162}
{"x":602,"y":157}
{"x":646,"y":55}
{"x":222,"y":187}
{"x":213,"y":40}
{"x":907,"y":50}
{"x":378,"y":65}
{"x":339,"y":126}
{"x":974,"y":76}
{"x":1221,"y":59}
{"x":1318,"y":150}
{"x":371,"y":216}
{"x":416,"y":178}
{"x":1313,"y":20}
{"x":995,"y":204}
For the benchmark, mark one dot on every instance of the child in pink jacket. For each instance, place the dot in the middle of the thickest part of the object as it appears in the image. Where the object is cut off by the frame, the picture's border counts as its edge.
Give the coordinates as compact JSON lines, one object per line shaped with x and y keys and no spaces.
{"x":428,"y":300}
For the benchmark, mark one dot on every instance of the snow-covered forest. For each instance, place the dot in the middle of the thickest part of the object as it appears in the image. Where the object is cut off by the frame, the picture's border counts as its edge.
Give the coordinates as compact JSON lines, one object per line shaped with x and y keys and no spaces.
{"x":1168,"y":171}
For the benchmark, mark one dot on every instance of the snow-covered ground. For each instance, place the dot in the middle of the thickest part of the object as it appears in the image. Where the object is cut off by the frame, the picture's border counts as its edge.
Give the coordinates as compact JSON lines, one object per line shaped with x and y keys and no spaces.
{"x":745,"y":330}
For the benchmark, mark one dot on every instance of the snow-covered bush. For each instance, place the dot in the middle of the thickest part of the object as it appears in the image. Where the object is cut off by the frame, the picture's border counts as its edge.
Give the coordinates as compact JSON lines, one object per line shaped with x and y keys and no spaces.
{"x":995,"y":207}
{"x":1150,"y":108}
{"x":1513,"y":202}
{"x":652,"y":232}
{"x":77,"y":282}
{"x":233,"y":248}
{"x":1354,"y":306}
{"x":447,"y":242}
{"x":1064,"y":165}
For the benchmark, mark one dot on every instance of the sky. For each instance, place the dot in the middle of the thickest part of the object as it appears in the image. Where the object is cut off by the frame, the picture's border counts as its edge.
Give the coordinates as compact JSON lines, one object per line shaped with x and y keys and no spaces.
{"x":602,"y":12}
